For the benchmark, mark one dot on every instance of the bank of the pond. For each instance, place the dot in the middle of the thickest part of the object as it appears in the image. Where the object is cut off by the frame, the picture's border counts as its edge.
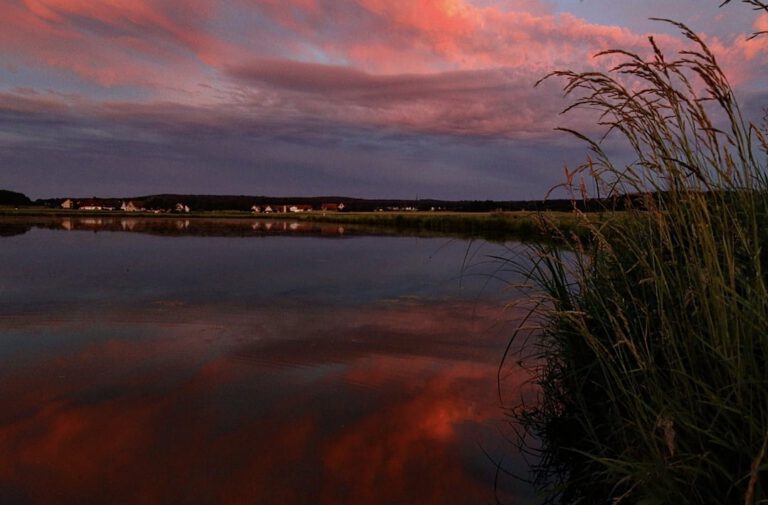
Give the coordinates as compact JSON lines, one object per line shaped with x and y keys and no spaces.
{"x":518,"y":224}
{"x":493,"y":225}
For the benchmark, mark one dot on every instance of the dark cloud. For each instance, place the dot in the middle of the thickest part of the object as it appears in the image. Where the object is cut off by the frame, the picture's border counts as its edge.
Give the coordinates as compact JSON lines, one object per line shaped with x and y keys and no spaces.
{"x":495,"y":102}
{"x":47,"y":149}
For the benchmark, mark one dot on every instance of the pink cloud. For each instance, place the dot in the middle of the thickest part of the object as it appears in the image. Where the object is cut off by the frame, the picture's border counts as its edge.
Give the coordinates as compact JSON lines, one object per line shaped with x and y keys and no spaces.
{"x":432,"y":35}
{"x":136,"y":41}
{"x":435,"y":66}
{"x":144,"y":42}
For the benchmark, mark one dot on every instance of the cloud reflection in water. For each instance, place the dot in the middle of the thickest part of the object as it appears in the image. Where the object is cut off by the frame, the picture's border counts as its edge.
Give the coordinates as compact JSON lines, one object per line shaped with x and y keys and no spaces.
{"x":170,"y":396}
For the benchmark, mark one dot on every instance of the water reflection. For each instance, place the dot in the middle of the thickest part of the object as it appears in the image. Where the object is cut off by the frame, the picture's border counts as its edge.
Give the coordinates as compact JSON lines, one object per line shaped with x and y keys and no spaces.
{"x":175,"y":226}
{"x":216,"y":371}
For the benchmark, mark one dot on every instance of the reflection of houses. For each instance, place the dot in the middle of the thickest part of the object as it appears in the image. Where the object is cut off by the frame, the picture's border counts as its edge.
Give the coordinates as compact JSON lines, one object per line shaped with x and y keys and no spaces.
{"x":332,"y":207}
{"x":67,"y":204}
{"x":180,"y":207}
{"x":128,"y":224}
{"x":92,"y":223}
{"x":282,"y":226}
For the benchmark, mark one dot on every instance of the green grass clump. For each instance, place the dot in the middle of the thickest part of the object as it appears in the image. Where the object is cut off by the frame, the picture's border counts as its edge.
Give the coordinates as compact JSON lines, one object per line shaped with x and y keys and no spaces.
{"x":652,"y":339}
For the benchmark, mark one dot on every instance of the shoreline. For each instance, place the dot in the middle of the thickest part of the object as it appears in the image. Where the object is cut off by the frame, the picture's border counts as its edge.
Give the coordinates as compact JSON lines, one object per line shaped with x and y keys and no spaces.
{"x":487,"y":225}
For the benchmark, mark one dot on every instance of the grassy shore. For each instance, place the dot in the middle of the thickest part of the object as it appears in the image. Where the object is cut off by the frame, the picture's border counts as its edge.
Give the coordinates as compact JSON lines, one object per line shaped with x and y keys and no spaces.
{"x":651,"y":339}
{"x":494,"y":226}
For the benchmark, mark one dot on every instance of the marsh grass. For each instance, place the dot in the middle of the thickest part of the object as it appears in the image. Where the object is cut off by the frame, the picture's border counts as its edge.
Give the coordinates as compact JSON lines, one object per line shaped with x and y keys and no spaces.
{"x":652,"y":336}
{"x":494,"y":225}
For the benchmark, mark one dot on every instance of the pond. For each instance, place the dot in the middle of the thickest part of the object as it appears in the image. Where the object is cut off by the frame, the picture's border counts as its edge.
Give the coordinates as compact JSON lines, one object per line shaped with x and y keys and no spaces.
{"x":179,"y":361}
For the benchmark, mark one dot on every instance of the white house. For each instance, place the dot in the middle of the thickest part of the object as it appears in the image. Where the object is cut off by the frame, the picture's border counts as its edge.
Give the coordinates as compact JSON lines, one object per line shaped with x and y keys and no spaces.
{"x":91,"y":205}
{"x":130,"y":207}
{"x":68,"y":204}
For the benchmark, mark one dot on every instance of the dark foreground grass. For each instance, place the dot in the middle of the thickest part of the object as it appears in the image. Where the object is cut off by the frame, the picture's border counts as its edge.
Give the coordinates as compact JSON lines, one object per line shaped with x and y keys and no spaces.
{"x":651,"y":340}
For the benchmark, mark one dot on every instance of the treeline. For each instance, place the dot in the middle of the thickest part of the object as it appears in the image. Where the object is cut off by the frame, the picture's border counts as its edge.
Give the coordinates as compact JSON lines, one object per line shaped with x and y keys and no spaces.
{"x":14,"y":199}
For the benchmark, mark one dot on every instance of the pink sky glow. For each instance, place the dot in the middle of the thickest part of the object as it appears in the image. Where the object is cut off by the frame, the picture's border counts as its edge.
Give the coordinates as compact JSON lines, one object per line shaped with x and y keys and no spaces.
{"x":361,"y":97}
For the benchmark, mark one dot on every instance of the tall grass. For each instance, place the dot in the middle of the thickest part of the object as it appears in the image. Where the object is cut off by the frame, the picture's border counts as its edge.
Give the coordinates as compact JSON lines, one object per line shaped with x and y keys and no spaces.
{"x":653,"y":341}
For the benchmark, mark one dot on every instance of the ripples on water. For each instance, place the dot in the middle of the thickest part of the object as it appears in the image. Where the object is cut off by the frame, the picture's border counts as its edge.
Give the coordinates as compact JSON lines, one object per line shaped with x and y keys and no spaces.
{"x":219,"y":367}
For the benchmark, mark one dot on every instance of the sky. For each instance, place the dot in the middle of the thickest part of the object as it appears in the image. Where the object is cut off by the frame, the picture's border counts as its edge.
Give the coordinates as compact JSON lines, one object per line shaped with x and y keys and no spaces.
{"x":366,"y":98}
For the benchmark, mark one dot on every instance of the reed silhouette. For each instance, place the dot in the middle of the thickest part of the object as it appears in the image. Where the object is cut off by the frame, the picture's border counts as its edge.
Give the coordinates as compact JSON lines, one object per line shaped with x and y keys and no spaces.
{"x":651,"y":336}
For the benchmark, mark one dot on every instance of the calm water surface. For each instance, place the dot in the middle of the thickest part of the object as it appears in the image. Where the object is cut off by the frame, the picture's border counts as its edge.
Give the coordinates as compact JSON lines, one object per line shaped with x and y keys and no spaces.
{"x":304,"y":366}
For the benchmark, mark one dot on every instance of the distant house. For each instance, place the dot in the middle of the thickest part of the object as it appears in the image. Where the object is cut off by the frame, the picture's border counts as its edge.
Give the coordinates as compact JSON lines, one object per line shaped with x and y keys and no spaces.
{"x":67,"y":204}
{"x":130,"y":207}
{"x":180,"y":207}
{"x":268,"y":209}
{"x":332,"y":207}
{"x":92,"y":204}
{"x":96,"y":204}
{"x":256,"y":209}
{"x":300,"y":208}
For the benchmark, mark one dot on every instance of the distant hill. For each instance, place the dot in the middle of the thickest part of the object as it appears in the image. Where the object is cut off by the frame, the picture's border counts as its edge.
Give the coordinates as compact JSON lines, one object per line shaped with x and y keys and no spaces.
{"x":12,"y":198}
{"x":245,"y":202}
